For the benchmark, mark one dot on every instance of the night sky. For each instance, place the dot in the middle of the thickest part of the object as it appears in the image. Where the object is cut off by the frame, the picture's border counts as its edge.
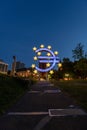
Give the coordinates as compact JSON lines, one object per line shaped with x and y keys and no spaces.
{"x":28,"y":23}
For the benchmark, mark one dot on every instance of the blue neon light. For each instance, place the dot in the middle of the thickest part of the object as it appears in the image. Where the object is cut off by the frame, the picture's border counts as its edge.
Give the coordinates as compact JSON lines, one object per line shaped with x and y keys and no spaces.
{"x":46,"y":57}
{"x":47,"y":61}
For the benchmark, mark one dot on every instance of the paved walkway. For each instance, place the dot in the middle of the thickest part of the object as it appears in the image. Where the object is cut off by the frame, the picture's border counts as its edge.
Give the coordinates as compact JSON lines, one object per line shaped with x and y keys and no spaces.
{"x":44,"y":107}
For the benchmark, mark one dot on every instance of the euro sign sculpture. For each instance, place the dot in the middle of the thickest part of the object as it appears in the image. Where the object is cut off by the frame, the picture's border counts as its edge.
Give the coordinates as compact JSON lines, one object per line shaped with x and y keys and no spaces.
{"x":52,"y":59}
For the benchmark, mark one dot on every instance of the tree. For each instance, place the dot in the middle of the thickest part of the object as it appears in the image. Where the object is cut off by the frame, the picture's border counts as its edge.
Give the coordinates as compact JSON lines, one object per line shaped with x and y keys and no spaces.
{"x":80,"y":64}
{"x":67,"y":68}
{"x":80,"y":68}
{"x":86,"y":55}
{"x":67,"y":65}
{"x":78,"y":52}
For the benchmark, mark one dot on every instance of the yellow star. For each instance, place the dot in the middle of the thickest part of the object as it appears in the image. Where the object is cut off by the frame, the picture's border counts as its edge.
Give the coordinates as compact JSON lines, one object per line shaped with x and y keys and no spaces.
{"x":34,"y":49}
{"x":35,"y":71}
{"x":56,"y":52}
{"x":39,"y":53}
{"x":51,"y":72}
{"x":49,"y":47}
{"x":48,"y":64}
{"x":35,"y":58}
{"x":48,"y":54}
{"x":60,"y":65}
{"x":33,"y":66}
{"x":41,"y":46}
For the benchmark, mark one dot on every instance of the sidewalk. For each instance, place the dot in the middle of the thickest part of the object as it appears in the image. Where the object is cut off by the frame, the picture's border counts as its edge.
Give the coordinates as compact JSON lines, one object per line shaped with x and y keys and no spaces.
{"x":44,"y":107}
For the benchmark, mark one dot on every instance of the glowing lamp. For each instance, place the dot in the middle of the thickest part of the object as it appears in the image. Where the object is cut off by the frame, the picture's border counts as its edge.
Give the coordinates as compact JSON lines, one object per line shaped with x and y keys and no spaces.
{"x":66,"y":75}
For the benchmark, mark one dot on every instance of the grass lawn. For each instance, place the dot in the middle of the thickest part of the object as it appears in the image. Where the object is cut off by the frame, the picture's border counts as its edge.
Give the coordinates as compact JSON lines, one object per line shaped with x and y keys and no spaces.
{"x":11,"y":89}
{"x":76,"y":89}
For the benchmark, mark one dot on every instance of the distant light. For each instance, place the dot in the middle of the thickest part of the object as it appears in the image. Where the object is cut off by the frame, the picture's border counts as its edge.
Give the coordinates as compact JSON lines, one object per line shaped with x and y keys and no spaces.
{"x":35,"y":58}
{"x":48,"y":54}
{"x":35,"y":71}
{"x":34,"y":49}
{"x":28,"y":71}
{"x":42,"y":46}
{"x":48,"y":64}
{"x":56,"y":52}
{"x":66,"y":75}
{"x":51,"y":72}
{"x":49,"y":47}
{"x":33,"y":66}
{"x":39,"y":53}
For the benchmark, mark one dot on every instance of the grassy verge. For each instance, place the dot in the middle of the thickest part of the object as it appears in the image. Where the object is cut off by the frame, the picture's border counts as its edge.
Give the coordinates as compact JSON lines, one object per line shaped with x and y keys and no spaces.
{"x":76,"y":89}
{"x":11,"y":89}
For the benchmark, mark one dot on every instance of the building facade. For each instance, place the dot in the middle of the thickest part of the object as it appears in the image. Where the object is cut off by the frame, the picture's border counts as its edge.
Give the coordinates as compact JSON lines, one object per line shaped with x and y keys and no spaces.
{"x":19,"y":65}
{"x":16,"y":65}
{"x":3,"y":67}
{"x":23,"y":72}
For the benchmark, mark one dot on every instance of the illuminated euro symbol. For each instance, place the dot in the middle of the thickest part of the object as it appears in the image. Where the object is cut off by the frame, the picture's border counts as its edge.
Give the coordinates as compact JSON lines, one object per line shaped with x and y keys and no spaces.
{"x":45,"y":59}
